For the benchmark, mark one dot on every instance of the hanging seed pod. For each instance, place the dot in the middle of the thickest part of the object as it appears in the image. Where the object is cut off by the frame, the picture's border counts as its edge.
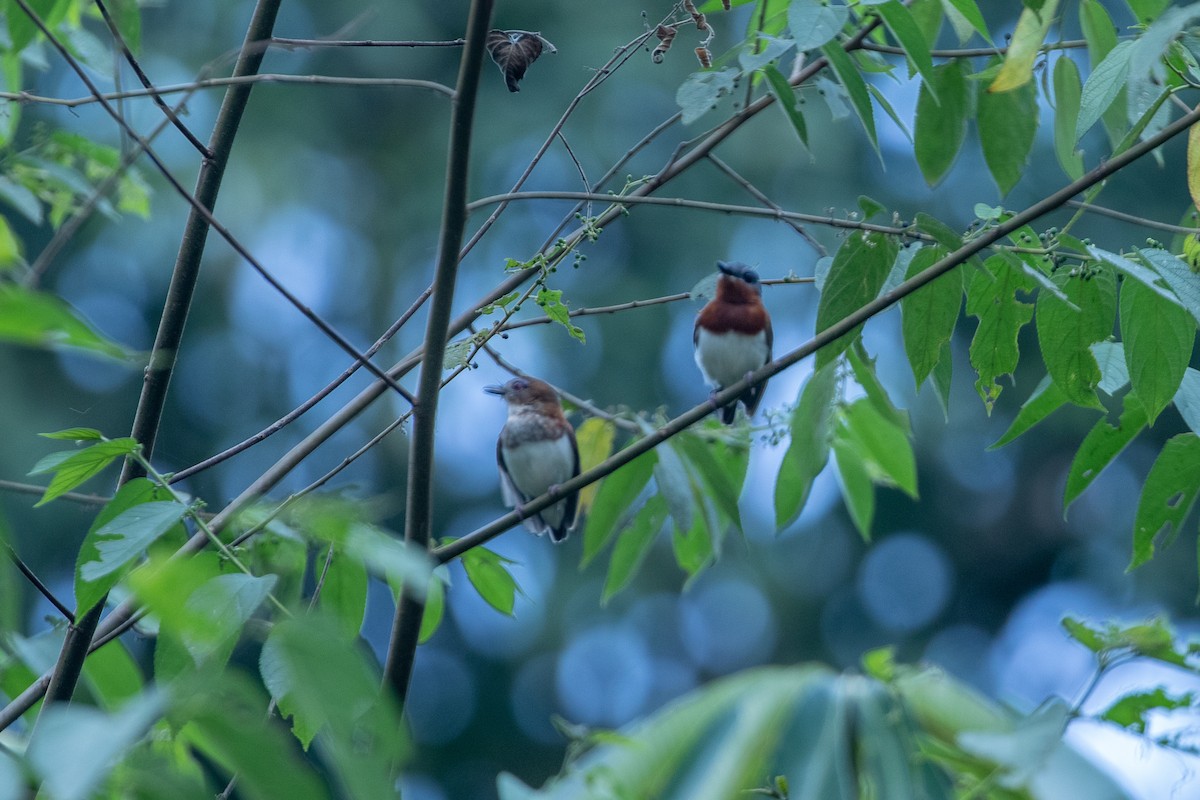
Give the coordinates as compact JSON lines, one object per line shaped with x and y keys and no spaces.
{"x":725,"y":4}
{"x":704,"y":57}
{"x":665,"y":34}
{"x":697,"y":17}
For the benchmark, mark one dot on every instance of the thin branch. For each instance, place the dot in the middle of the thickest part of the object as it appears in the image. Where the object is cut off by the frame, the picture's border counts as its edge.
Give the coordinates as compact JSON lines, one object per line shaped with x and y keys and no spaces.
{"x":973,"y":52}
{"x":34,"y":489}
{"x":1136,"y":220}
{"x":137,"y":70}
{"x":617,"y":201}
{"x":761,"y":197}
{"x":37,"y":583}
{"x":279,"y":41}
{"x":235,"y":80}
{"x":418,"y":521}
{"x":832,"y":333}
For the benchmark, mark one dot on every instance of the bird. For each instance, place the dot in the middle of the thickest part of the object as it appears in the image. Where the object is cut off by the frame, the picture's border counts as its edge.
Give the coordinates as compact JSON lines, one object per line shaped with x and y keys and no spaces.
{"x":536,"y":451}
{"x":733,"y":337}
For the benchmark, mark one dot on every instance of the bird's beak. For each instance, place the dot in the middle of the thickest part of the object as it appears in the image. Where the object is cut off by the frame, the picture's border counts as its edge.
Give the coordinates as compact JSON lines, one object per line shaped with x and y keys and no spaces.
{"x":494,"y":389}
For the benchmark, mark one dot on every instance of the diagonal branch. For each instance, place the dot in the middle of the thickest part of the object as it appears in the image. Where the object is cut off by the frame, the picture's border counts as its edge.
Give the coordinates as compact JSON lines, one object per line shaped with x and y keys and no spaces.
{"x":419,"y":513}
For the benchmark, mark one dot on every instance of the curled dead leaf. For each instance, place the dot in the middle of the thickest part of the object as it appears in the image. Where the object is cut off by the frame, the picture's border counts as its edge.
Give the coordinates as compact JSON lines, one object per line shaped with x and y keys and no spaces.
{"x":514,"y":51}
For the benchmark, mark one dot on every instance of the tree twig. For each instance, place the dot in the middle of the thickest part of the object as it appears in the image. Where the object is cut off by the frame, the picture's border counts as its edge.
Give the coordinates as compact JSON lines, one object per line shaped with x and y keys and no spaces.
{"x":42,"y":588}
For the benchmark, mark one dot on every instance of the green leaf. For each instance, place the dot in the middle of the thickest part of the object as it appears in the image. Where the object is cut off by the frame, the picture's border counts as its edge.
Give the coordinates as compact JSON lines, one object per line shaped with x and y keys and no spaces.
{"x":128,"y":20}
{"x":37,"y":319}
{"x":227,"y":602}
{"x":617,"y":493}
{"x":435,"y":609}
{"x":344,"y":592}
{"x":550,"y":301}
{"x":1114,"y":376}
{"x":858,"y":491}
{"x":1102,"y":444}
{"x":1132,"y":269}
{"x":1045,"y":400}
{"x":813,"y":23}
{"x":693,"y":548}
{"x":113,"y":676}
{"x":902,"y":25}
{"x":74,"y":748}
{"x":594,"y":438}
{"x":1179,"y":277}
{"x":126,"y":538}
{"x":1066,"y":116}
{"x":21,"y":29}
{"x":943,"y":374}
{"x":1007,"y":122}
{"x":132,"y":493}
{"x":966,"y":11}
{"x":1158,"y":337}
{"x":485,"y":569}
{"x":863,"y":368}
{"x":674,"y":484}
{"x":1101,"y":88}
{"x":80,"y":466}
{"x":1066,"y":335}
{"x":991,"y":298}
{"x":785,"y":98}
{"x":722,"y":476}
{"x":75,"y":435}
{"x":809,"y":449}
{"x":928,"y":315}
{"x":859,"y":269}
{"x":1131,"y":710}
{"x":1027,"y":39}
{"x":769,"y":48}
{"x":700,"y":92}
{"x":882,"y":446}
{"x":941,"y":122}
{"x":630,"y":550}
{"x":1168,"y":495}
{"x":856,"y":88}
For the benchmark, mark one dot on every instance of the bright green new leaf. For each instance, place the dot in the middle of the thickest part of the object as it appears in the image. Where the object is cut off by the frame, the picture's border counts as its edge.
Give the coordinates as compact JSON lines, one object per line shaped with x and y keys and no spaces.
{"x":859,"y":269}
{"x":809,"y":449}
{"x":785,"y":98}
{"x":616,"y":494}
{"x":631,"y":548}
{"x":435,"y":609}
{"x":1131,"y":710}
{"x":1066,"y":115}
{"x":344,"y":591}
{"x":858,"y":492}
{"x":38,"y":319}
{"x":1101,"y":88}
{"x":22,"y":30}
{"x":1007,"y":122}
{"x":814,"y":23}
{"x":595,"y":440}
{"x":856,"y":88}
{"x":132,"y":493}
{"x":487,"y":573}
{"x":928,"y":315}
{"x":863,"y":368}
{"x":1168,"y":495}
{"x":941,"y":122}
{"x":1158,"y":338}
{"x":75,"y":435}
{"x":1102,"y":444}
{"x":1066,"y":335}
{"x":1023,"y":48}
{"x":882,"y":446}
{"x":550,"y":301}
{"x":900,"y":22}
{"x":1045,"y":400}
{"x":78,"y":467}
{"x":992,"y":299}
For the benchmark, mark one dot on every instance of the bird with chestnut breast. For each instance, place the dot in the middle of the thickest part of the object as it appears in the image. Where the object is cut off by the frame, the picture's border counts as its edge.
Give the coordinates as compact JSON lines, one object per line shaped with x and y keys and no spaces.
{"x":536,"y":451}
{"x":733,"y":337}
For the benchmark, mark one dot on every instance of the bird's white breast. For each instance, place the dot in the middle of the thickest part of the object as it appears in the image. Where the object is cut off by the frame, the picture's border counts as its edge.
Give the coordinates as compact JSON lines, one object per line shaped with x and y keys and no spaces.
{"x":725,"y":358}
{"x":536,"y":465}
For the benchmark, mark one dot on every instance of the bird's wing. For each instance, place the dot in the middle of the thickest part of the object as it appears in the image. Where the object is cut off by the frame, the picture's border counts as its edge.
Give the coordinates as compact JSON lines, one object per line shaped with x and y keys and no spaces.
{"x":513,"y":497}
{"x":571,"y":507}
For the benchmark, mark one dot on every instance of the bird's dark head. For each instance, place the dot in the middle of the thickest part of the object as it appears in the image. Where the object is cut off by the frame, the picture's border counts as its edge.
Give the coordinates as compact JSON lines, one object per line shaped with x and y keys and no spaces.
{"x":739,"y":273}
{"x":525,"y":391}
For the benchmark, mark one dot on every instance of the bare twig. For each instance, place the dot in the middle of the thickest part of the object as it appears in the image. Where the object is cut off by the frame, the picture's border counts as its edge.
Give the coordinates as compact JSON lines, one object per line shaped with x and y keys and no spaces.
{"x":34,"y":489}
{"x":42,"y":588}
{"x":1132,"y":218}
{"x":279,"y":41}
{"x":761,"y":197}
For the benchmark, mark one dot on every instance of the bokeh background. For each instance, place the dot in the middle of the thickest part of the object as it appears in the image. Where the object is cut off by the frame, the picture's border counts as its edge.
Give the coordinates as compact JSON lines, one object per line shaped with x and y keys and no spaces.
{"x":337,"y":191}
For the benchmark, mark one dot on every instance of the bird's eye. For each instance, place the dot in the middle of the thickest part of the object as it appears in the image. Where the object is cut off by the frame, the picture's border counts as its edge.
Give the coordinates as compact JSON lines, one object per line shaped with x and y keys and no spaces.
{"x":519,"y":384}
{"x":750,"y":276}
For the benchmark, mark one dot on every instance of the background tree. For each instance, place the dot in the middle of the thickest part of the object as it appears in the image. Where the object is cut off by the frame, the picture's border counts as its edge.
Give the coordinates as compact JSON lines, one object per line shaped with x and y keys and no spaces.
{"x":253,"y":536}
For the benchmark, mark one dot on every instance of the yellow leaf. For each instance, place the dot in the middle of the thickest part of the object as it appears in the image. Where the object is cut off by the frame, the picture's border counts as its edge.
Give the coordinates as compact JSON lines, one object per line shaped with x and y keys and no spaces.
{"x":1193,"y":164}
{"x":1023,"y":50}
{"x":595,"y":440}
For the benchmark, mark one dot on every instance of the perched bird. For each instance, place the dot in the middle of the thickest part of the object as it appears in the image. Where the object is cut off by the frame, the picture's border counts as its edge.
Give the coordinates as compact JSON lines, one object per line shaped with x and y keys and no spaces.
{"x":733,"y":335}
{"x":536,"y":450}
